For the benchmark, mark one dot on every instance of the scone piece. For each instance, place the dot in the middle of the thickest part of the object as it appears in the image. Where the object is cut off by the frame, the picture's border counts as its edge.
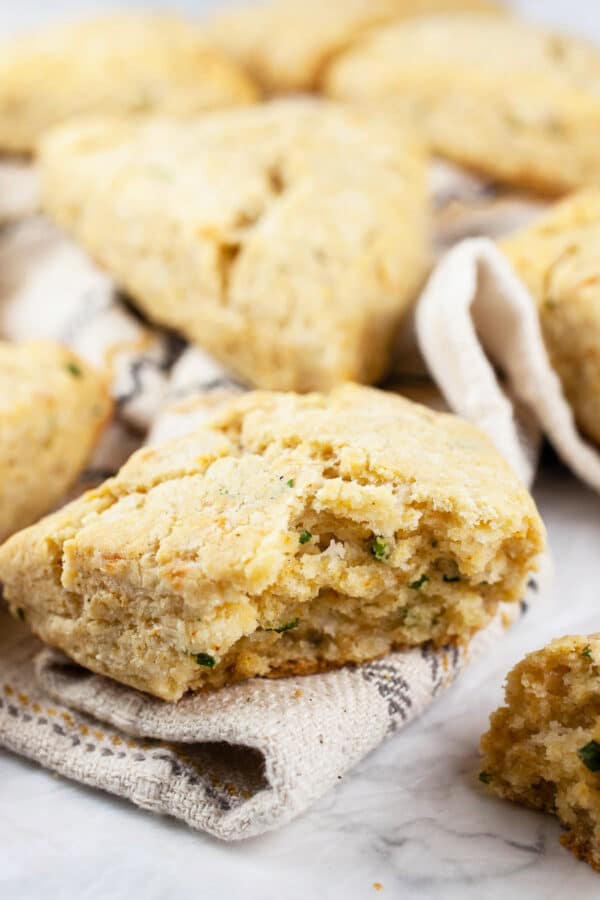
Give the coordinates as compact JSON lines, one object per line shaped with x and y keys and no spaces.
{"x":558,"y":258}
{"x":286,"y":239}
{"x":52,"y":409}
{"x":543,"y":747}
{"x":286,"y":44}
{"x":292,"y":534}
{"x":121,"y":64}
{"x":532,"y":123}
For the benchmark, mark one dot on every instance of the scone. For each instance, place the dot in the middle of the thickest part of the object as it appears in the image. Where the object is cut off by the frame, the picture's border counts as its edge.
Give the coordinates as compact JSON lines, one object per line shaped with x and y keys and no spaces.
{"x":120,"y":64}
{"x":291,"y":534}
{"x":52,"y":409}
{"x":286,"y":44}
{"x":558,"y":258}
{"x":286,"y":239}
{"x":543,"y":747}
{"x":466,"y":206}
{"x":493,"y":93}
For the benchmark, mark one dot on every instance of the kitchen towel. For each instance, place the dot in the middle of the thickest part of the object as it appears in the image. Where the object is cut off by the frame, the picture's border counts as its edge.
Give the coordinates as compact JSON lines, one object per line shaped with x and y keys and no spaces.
{"x":255,"y":755}
{"x":236,"y":763}
{"x":476,"y":315}
{"x":50,"y":289}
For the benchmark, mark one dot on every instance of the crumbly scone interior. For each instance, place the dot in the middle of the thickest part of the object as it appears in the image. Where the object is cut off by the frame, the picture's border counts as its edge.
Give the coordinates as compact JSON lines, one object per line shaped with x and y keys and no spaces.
{"x":262,"y":554}
{"x":532,"y":750}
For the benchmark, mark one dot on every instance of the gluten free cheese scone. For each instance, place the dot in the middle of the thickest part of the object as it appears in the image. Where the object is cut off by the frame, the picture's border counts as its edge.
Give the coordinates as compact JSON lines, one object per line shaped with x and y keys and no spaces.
{"x":292,"y":534}
{"x":506,"y":98}
{"x":543,"y":747}
{"x":52,"y":409}
{"x":287,"y":239}
{"x":286,"y":44}
{"x":122,"y":64}
{"x":558,"y":258}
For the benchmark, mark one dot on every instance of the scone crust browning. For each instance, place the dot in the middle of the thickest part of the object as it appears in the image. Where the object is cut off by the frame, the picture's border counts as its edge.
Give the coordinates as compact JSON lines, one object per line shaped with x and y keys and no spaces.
{"x":52,"y":410}
{"x":543,"y":746}
{"x":291,"y":534}
{"x":287,"y":239}
{"x":287,"y":44}
{"x":121,"y":64}
{"x":534,"y":125}
{"x":557,"y":258}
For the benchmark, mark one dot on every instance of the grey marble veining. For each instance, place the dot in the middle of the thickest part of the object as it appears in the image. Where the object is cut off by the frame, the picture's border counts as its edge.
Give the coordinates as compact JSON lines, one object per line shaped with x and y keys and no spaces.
{"x":412,"y":817}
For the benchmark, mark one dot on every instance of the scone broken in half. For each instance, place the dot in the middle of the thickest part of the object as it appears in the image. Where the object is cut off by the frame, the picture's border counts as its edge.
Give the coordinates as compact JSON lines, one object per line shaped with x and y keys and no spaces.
{"x":287,"y":239}
{"x":290,"y":535}
{"x":119,"y":64}
{"x":52,"y":409}
{"x":543,"y":747}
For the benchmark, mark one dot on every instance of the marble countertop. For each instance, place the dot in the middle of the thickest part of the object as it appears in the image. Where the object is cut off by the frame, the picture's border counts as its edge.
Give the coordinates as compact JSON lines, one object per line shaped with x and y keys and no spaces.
{"x":412,"y":819}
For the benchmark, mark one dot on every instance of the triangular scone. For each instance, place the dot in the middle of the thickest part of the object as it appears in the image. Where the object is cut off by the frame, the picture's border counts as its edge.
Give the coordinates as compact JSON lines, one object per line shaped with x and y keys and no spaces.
{"x":558,"y":258}
{"x":120,"y":64}
{"x":509,"y":99}
{"x":543,"y":747}
{"x":52,"y":410}
{"x":286,"y":44}
{"x":287,"y":239}
{"x":290,"y":535}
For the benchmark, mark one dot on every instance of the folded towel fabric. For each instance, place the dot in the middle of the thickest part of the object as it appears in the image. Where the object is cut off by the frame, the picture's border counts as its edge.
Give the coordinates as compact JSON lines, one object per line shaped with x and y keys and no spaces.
{"x":255,"y":755}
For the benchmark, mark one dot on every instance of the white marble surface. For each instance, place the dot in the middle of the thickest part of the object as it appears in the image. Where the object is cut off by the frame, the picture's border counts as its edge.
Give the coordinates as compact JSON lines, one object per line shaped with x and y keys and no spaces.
{"x":412,"y":817}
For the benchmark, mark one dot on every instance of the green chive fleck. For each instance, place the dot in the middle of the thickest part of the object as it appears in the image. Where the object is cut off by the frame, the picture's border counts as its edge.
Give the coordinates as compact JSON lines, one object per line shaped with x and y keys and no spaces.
{"x":451,"y":579}
{"x":587,"y":652}
{"x":74,"y":370}
{"x":417,"y":585}
{"x":305,"y":537}
{"x":287,"y":627}
{"x":20,"y":613}
{"x":485,"y":777}
{"x":380,"y":549}
{"x":291,"y":482}
{"x":205,"y":659}
{"x":590,"y":756}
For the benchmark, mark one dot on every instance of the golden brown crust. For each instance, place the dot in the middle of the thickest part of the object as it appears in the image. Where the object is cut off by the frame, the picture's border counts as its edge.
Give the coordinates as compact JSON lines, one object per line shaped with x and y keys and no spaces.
{"x":581,"y":849}
{"x":288,"y":239}
{"x":121,"y":64}
{"x":533,"y":124}
{"x":287,"y":44}
{"x":558,"y":260}
{"x":292,"y":534}
{"x":543,"y":746}
{"x":52,"y":410}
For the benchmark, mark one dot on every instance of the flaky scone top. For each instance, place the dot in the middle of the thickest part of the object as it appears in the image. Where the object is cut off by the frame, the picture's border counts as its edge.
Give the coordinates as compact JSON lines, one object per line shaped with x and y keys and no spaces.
{"x":119,"y":64}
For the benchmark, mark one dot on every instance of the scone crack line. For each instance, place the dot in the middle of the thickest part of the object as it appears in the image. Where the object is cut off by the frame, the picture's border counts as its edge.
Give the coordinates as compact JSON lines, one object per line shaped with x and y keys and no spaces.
{"x":266,"y":245}
{"x":229,"y":241}
{"x":237,"y":551}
